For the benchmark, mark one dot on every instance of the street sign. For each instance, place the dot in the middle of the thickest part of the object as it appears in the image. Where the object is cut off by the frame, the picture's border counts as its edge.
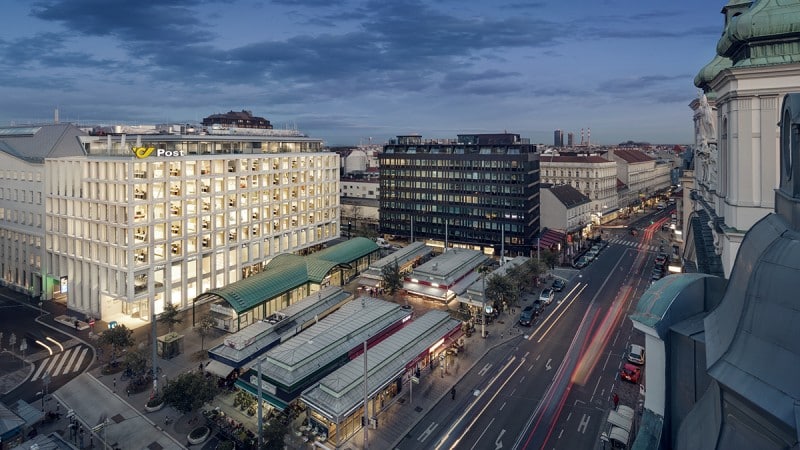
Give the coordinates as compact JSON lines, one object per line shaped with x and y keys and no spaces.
{"x":23,"y":345}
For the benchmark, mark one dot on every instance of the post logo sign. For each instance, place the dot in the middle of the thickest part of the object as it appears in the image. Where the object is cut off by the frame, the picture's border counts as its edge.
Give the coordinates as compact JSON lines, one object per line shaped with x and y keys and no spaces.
{"x":144,"y":152}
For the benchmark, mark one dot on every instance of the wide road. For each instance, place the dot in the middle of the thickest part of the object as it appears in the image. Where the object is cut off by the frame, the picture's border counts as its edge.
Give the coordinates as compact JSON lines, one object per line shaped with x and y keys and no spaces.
{"x":49,"y":364}
{"x":530,"y":392}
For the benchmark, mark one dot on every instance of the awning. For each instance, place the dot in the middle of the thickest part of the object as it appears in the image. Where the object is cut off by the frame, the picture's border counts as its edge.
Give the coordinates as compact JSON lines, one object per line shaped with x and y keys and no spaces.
{"x":550,"y":238}
{"x":219,"y":369}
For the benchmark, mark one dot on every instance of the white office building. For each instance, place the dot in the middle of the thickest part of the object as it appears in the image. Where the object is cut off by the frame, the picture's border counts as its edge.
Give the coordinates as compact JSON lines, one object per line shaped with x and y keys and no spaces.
{"x":114,"y":224}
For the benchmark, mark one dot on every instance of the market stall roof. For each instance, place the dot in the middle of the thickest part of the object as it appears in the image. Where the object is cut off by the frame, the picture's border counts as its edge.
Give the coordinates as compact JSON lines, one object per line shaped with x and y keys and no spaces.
{"x":549,"y":238}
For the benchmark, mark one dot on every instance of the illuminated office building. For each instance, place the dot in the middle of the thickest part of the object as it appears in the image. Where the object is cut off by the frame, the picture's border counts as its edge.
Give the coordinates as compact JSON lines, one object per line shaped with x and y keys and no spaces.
{"x":112,"y":224}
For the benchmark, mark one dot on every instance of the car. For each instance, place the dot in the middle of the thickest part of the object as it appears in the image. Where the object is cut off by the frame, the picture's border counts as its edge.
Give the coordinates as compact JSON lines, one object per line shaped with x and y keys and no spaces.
{"x":547,"y":296}
{"x":635,"y":354}
{"x":661,"y":259}
{"x":591,"y":255}
{"x":558,"y":285}
{"x":630,"y":372}
{"x":581,"y":262}
{"x":527,"y":316}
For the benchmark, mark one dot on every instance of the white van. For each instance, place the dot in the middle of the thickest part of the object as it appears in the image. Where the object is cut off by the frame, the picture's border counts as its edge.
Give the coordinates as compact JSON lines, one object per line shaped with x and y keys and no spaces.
{"x":382,"y":243}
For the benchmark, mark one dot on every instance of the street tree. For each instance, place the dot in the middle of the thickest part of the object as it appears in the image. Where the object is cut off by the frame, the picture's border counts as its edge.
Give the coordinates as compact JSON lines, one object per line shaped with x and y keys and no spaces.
{"x":189,"y":391}
{"x":119,"y":337}
{"x":169,"y":316}
{"x":274,"y":434}
{"x":392,"y":278}
{"x":204,"y":328}
{"x":501,"y":290}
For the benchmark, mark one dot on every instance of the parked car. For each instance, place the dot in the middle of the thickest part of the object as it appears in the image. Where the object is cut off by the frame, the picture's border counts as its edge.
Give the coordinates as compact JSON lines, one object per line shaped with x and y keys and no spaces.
{"x":558,"y":285}
{"x":527,"y":316}
{"x":581,"y":262}
{"x":547,"y":296}
{"x":635,"y":354}
{"x":630,"y":372}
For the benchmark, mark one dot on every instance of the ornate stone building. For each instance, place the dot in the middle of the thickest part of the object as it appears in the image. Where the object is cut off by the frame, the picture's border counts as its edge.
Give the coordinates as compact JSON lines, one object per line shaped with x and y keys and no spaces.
{"x":736,"y":132}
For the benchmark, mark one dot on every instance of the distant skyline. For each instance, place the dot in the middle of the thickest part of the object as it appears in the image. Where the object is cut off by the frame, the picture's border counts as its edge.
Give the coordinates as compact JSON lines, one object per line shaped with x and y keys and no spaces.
{"x":347,"y":71}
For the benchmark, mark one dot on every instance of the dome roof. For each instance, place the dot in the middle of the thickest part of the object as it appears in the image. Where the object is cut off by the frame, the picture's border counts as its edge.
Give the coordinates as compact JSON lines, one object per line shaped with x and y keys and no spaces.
{"x":707,"y":73}
{"x":752,"y":338}
{"x":759,"y":36}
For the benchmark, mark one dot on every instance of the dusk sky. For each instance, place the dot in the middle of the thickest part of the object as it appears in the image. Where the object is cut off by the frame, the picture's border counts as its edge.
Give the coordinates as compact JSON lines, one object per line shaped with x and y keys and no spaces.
{"x":346,"y":71}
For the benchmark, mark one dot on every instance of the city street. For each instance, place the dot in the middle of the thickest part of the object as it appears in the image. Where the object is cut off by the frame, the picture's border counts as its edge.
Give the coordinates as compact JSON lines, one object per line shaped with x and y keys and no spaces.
{"x":555,"y":386}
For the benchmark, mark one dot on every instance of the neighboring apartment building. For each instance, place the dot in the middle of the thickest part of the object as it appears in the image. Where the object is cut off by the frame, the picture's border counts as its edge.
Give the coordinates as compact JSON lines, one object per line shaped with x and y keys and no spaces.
{"x":114,"y":224}
{"x":736,"y":173}
{"x":470,"y":192}
{"x":592,"y":175}
{"x":643,"y":175}
{"x":565,"y":208}
{"x":360,"y":200}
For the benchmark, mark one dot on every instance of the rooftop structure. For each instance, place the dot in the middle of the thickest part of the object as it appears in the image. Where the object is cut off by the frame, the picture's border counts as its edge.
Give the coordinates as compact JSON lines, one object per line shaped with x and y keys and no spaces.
{"x":300,"y":361}
{"x":337,"y":396}
{"x":439,"y":277}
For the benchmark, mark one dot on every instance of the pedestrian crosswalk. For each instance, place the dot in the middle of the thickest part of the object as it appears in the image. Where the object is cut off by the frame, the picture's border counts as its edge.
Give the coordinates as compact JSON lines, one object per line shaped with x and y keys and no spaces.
{"x":637,"y":244}
{"x":62,"y":363}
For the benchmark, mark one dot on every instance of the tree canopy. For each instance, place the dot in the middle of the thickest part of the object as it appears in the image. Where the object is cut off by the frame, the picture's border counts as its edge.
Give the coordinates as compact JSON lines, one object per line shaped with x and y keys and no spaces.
{"x":118,"y":338}
{"x":189,"y":391}
{"x":204,"y":328}
{"x":392,"y":279}
{"x":170,"y":316}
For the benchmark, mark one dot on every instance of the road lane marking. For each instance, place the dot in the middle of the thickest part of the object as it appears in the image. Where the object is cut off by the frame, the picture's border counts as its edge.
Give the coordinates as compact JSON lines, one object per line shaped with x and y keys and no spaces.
{"x":563,"y":311}
{"x":569,"y":416}
{"x":427,"y":432}
{"x":486,"y":405}
{"x":498,"y":444}
{"x":560,"y":433}
{"x":502,"y":406}
{"x":547,"y":365}
{"x":584,"y":424}
{"x":485,"y":369}
{"x":595,"y":388}
{"x":39,"y":370}
{"x":522,"y":379}
{"x":484,"y":432}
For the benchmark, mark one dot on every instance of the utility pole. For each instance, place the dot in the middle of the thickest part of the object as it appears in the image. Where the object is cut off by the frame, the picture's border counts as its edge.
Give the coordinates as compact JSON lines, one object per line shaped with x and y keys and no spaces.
{"x":260,"y":414}
{"x":366,"y":398}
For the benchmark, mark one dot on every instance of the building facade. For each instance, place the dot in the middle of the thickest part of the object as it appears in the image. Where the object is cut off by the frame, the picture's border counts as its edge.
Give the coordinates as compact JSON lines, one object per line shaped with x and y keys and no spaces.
{"x":478,"y":191}
{"x":643,"y":175}
{"x":756,"y":65}
{"x":130,"y":223}
{"x":565,"y":208}
{"x":592,"y":175}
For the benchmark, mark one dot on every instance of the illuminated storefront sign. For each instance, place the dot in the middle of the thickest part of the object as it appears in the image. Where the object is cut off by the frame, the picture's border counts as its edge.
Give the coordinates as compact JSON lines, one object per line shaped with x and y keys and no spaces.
{"x":64,"y":284}
{"x":144,"y":152}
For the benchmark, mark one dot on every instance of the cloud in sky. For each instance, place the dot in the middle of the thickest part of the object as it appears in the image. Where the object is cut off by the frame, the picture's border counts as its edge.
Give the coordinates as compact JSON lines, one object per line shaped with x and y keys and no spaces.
{"x":348,"y":69}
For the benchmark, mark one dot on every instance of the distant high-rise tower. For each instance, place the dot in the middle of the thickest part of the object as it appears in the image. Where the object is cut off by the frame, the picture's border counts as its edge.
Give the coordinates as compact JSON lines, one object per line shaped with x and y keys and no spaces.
{"x":558,"y":138}
{"x":589,"y":136}
{"x":570,"y":139}
{"x":582,"y":142}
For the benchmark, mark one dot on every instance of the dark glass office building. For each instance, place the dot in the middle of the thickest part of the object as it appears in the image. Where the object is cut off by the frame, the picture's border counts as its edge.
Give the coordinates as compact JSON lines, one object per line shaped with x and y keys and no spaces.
{"x":469,"y":192}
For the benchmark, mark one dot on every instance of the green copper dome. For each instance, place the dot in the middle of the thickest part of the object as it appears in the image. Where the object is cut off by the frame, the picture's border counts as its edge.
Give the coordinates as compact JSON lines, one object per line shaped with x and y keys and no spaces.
{"x":767,"y":33}
{"x":707,"y":73}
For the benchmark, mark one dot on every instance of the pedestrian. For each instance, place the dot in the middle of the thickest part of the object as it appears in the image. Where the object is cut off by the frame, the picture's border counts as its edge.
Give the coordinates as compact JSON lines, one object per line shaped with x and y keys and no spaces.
{"x":616,"y":400}
{"x":114,"y":381}
{"x":128,"y":391}
{"x":453,"y":393}
{"x":200,"y":368}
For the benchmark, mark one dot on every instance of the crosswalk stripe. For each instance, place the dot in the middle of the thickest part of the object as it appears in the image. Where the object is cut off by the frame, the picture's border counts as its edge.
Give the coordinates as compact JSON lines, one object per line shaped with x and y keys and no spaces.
{"x":61,"y":362}
{"x":39,"y":370}
{"x":80,"y":360}
{"x":48,"y":364}
{"x":71,"y":360}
